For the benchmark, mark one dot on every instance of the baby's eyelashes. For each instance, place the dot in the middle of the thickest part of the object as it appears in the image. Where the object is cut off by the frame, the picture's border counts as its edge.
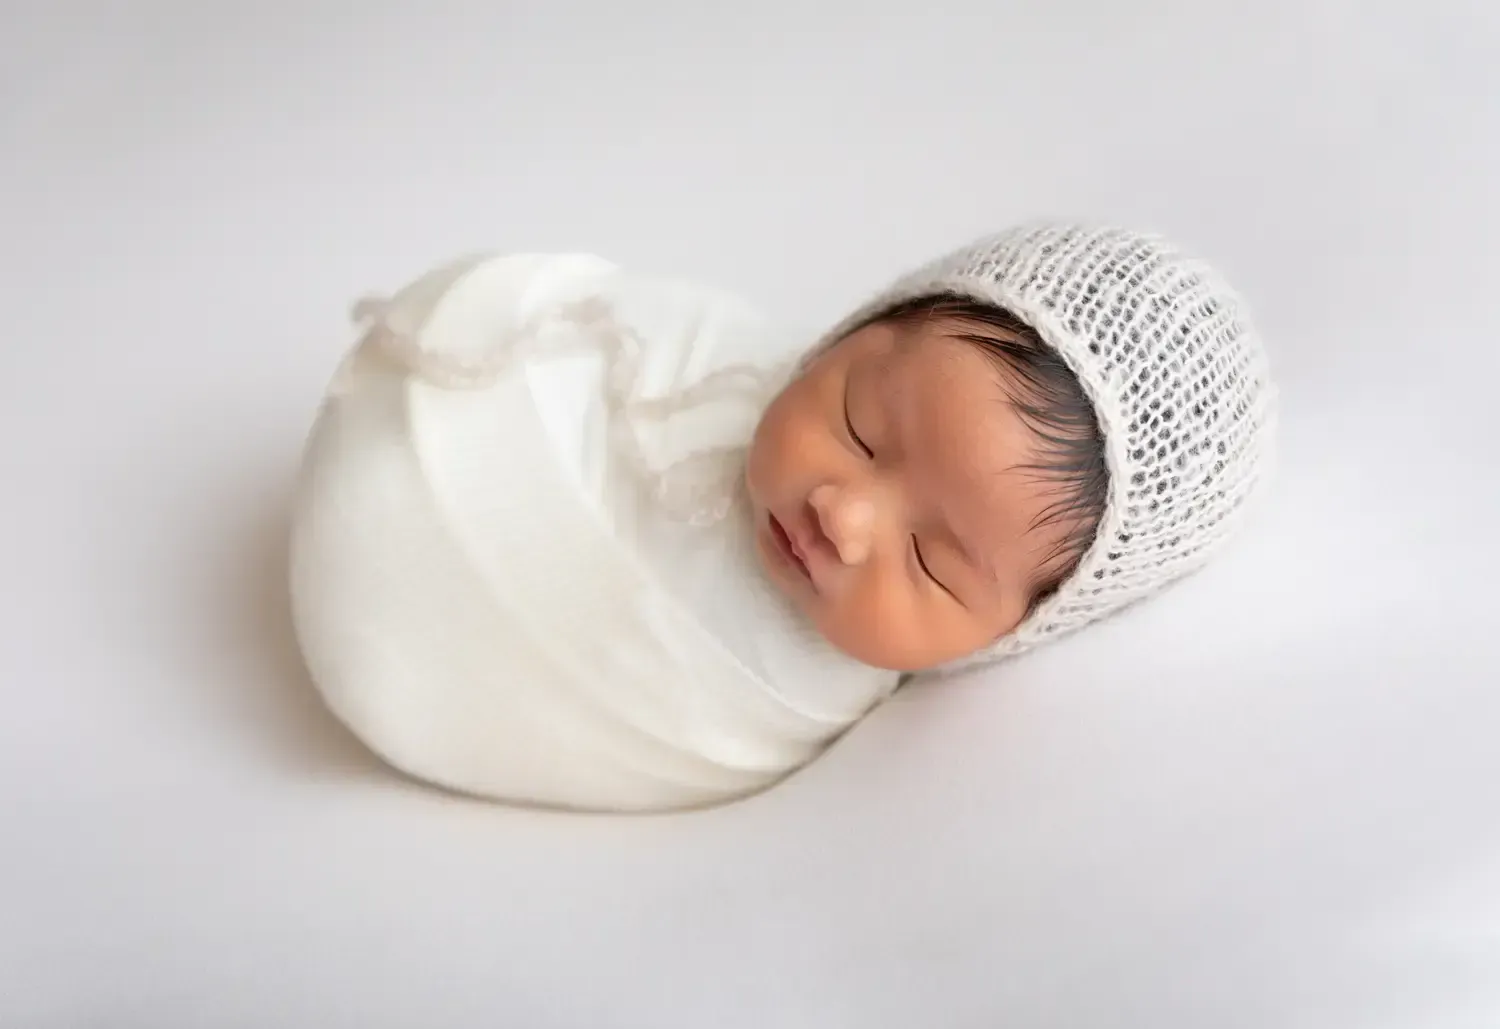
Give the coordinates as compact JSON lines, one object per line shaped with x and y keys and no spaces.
{"x":926,"y":570}
{"x":854,"y":436}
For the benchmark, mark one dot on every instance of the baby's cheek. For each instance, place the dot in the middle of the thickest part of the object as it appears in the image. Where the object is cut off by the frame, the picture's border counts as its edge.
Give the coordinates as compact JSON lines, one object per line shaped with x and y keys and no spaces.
{"x":875,"y":622}
{"x":891,"y":625}
{"x":770,"y":450}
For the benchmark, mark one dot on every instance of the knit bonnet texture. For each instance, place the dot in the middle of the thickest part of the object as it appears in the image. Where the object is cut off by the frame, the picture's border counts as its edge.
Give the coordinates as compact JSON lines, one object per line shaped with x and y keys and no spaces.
{"x":1178,"y":377}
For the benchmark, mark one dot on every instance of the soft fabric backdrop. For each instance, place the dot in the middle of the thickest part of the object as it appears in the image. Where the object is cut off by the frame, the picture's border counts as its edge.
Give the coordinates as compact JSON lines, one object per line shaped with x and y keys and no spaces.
{"x":1267,"y":800}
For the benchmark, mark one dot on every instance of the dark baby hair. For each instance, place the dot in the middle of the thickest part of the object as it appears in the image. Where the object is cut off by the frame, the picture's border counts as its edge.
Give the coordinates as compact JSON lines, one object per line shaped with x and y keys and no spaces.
{"x":1052,"y":403}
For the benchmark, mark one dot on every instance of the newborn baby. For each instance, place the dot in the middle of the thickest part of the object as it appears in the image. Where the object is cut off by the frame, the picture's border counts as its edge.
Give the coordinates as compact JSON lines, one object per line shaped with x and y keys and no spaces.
{"x":575,"y":537}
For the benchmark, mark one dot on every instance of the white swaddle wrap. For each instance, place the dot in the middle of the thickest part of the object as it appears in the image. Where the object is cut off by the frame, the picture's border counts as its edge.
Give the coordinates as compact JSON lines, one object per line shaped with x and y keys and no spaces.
{"x":520,"y":564}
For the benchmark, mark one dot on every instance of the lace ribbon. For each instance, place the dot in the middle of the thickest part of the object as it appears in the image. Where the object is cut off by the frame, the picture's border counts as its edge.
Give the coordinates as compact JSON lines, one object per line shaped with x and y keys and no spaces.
{"x":700,"y":489}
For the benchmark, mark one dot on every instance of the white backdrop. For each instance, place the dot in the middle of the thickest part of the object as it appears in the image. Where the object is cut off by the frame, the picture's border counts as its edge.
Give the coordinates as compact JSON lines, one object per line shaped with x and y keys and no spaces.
{"x":1267,"y":800}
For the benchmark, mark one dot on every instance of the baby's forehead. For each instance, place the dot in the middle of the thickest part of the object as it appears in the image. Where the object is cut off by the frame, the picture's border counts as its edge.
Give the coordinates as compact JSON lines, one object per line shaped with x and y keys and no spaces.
{"x":950,"y":386}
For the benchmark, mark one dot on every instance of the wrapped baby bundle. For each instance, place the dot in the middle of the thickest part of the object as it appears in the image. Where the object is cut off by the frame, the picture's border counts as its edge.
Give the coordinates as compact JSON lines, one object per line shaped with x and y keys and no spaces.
{"x":522,"y":567}
{"x":519,"y":568}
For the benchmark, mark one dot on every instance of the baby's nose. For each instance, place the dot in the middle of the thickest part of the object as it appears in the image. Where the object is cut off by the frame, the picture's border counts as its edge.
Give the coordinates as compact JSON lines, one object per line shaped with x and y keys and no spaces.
{"x":847,"y":519}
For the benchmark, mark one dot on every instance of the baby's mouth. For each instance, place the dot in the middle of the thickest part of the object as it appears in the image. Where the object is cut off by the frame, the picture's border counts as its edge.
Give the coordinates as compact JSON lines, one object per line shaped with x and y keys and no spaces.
{"x":787,"y":546}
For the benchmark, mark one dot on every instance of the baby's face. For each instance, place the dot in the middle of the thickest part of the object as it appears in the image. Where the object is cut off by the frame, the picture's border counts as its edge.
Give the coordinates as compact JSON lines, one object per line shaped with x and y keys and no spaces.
{"x":892,"y":500}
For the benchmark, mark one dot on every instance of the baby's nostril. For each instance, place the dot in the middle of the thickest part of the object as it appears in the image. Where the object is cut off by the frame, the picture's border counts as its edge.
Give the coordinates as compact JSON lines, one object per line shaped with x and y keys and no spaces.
{"x":813,"y":516}
{"x":841,"y":525}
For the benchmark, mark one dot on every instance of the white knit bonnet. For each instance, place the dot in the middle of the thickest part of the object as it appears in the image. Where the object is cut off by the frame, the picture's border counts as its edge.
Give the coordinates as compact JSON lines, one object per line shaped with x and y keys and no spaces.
{"x":1179,"y":381}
